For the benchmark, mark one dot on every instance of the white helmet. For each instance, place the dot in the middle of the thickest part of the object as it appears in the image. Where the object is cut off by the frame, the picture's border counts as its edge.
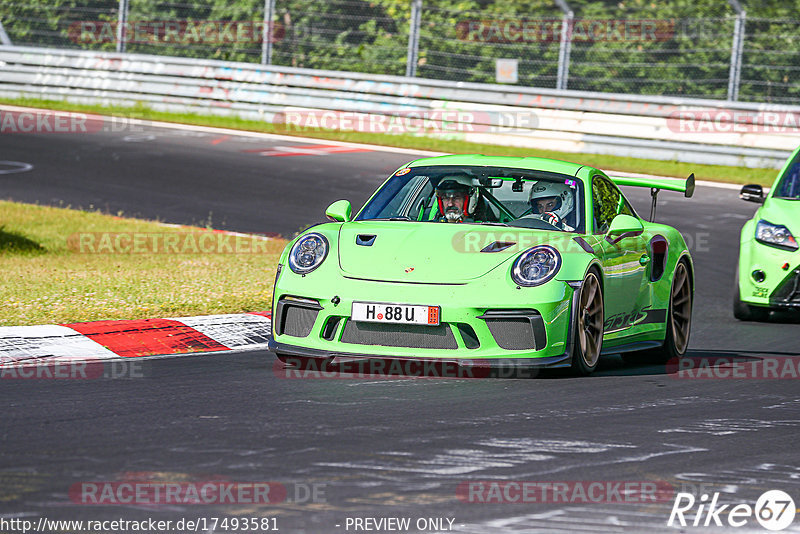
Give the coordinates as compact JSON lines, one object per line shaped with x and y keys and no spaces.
{"x":562,"y":192}
{"x":458,"y":183}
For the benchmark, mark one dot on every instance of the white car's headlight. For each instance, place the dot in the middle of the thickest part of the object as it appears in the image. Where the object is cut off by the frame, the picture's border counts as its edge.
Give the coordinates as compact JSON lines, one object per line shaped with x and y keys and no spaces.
{"x":775,"y":235}
{"x":308,"y":253}
{"x":536,"y":266}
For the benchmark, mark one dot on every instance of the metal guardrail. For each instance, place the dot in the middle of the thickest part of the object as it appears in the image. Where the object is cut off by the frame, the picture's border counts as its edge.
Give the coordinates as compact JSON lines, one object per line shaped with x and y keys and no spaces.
{"x":705,"y":49}
{"x":715,"y":132}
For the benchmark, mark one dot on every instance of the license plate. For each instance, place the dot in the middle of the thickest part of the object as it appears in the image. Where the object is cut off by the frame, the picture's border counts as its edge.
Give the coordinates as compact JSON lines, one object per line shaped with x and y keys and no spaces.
{"x":374,"y":312}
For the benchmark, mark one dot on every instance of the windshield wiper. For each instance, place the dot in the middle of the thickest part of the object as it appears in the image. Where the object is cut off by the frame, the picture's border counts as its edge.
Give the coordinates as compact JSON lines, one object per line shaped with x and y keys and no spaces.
{"x":492,"y":224}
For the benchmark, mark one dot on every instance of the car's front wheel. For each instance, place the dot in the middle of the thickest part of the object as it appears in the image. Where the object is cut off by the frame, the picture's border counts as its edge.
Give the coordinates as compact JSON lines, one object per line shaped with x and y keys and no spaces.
{"x":742,"y":310}
{"x":589,"y":319}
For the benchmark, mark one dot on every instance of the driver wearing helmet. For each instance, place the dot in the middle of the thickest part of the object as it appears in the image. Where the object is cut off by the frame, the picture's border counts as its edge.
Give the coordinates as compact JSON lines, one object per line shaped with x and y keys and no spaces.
{"x":553,"y":203}
{"x":457,"y":198}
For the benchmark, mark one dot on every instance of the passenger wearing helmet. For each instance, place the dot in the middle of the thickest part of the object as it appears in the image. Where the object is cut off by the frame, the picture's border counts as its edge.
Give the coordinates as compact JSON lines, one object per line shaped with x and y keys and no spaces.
{"x":457,"y":198}
{"x":553,"y":203}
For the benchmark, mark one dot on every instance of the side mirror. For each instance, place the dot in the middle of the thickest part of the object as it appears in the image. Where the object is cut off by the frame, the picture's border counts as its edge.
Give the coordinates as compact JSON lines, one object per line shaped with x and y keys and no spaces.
{"x":340,"y":211}
{"x":752,"y":193}
{"x":623,"y":226}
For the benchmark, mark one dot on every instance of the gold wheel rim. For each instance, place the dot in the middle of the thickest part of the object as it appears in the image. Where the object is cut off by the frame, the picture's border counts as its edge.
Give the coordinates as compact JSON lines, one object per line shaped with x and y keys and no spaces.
{"x":681,"y":306}
{"x":590,"y":320}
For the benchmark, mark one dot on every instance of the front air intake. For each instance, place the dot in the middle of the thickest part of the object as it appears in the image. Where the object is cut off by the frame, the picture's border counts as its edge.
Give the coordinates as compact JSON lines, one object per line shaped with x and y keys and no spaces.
{"x":399,"y":335}
{"x":295,"y":316}
{"x":788,"y":292}
{"x":516,"y":329}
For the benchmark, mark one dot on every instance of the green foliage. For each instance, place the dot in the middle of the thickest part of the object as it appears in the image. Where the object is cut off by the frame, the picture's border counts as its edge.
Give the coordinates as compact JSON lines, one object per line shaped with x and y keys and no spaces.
{"x":461,"y":39}
{"x":48,"y":22}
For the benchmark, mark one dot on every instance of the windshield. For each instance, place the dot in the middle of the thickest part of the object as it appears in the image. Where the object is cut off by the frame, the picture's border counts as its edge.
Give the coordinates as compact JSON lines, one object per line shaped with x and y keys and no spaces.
{"x":790,"y":184}
{"x":480,"y":195}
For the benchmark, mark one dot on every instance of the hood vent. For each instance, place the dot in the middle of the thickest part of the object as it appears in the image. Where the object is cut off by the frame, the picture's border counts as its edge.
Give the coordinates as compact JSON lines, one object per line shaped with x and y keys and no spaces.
{"x":498,"y":246}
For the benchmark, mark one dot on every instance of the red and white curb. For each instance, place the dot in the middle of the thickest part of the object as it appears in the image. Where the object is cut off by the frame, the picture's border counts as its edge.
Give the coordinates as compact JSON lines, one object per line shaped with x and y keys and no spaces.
{"x":102,"y":340}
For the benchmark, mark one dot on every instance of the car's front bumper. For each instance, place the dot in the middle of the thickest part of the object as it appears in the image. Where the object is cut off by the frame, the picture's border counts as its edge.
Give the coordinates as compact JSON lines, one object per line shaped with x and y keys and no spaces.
{"x":336,"y":358}
{"x":787,"y":294}
{"x":469,"y":331}
{"x":780,"y":287}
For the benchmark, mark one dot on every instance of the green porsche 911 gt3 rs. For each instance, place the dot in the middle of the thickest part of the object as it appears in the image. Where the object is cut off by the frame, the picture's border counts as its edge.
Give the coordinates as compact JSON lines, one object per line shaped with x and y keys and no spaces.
{"x":488,"y":261}
{"x":768,"y":277}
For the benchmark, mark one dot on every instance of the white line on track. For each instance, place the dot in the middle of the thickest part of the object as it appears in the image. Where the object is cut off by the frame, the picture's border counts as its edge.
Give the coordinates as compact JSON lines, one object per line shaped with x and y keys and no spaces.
{"x":242,"y":133}
{"x":14,"y":167}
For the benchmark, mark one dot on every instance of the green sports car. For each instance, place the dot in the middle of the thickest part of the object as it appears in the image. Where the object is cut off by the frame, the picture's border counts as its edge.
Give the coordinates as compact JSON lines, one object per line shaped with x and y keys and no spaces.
{"x":768,"y":277}
{"x":488,"y":261}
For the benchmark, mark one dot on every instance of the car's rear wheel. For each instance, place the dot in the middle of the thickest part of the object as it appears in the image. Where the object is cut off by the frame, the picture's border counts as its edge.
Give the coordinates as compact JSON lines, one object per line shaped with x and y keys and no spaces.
{"x":680,"y":311}
{"x":679,"y":322}
{"x":744,"y":311}
{"x":589,"y":319}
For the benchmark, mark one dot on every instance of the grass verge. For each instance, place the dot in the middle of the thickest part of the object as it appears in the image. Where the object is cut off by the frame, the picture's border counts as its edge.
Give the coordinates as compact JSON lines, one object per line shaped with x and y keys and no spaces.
{"x":58,"y":267}
{"x":716,"y":173}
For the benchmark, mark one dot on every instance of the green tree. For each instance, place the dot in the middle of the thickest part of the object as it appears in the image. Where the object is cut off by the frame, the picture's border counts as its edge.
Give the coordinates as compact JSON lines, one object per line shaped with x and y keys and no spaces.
{"x":690,"y":55}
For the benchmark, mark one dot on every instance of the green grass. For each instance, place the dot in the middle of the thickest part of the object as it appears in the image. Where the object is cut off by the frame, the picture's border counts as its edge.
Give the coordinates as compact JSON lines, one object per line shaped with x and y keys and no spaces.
{"x":609,"y":163}
{"x":51,"y":276}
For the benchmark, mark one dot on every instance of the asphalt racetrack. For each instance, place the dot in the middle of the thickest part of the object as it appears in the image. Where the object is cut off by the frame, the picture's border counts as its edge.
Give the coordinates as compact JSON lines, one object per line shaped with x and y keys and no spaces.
{"x":381,"y":447}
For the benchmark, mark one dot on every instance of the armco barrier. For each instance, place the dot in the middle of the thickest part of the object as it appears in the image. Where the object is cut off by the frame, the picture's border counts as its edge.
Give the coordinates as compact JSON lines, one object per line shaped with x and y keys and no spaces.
{"x":572,"y":121}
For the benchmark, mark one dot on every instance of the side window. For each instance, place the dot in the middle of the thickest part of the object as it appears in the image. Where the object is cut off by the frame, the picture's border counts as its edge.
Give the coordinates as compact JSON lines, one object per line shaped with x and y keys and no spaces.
{"x":625,"y":208}
{"x":606,"y":203}
{"x":401,"y":201}
{"x":422,"y":201}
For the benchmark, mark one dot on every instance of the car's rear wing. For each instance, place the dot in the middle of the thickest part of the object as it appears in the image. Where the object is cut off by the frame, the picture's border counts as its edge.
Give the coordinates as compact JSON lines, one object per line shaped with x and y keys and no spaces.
{"x":657,"y":184}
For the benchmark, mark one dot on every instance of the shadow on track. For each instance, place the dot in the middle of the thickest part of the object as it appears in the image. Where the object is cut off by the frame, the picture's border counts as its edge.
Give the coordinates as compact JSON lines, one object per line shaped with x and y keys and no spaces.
{"x":700,"y":363}
{"x":781,"y":316}
{"x":714,"y":361}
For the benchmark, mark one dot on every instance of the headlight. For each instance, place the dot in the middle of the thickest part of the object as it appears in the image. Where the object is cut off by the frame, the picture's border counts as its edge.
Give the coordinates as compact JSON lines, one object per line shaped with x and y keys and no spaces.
{"x":308,"y":253}
{"x":775,"y":235}
{"x":536,"y":266}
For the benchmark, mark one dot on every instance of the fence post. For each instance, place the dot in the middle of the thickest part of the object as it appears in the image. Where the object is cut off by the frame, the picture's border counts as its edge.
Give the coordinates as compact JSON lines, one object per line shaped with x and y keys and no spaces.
{"x":413,"y":38}
{"x":266,"y":37}
{"x":122,"y":22}
{"x":565,"y":47}
{"x":737,"y":49}
{"x":4,"y":40}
